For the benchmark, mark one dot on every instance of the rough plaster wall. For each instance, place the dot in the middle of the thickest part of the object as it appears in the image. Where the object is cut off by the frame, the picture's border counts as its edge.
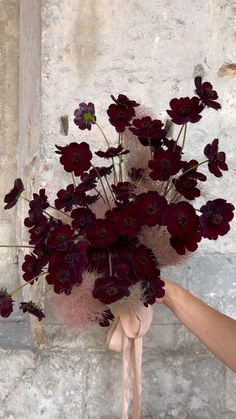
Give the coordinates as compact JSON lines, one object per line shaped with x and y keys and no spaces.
{"x":150,"y":51}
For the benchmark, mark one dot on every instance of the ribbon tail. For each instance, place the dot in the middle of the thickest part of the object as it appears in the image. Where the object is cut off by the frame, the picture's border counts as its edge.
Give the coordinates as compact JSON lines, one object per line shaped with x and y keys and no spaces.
{"x":127,"y":350}
{"x":137,"y":365}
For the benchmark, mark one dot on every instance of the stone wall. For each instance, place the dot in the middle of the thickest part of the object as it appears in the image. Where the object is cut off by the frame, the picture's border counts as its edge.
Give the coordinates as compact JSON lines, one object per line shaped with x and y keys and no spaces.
{"x":84,"y":50}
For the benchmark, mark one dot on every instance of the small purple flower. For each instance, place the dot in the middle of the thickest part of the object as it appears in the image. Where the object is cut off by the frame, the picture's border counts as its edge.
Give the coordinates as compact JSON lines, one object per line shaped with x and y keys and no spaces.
{"x":85,"y":116}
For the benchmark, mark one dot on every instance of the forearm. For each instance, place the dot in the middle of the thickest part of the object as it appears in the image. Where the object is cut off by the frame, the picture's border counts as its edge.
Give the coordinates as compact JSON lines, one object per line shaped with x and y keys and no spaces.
{"x":214,"y":329}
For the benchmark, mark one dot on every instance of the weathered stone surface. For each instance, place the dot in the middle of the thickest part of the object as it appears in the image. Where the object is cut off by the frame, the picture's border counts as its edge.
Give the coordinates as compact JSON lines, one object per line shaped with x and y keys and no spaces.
{"x":73,"y":51}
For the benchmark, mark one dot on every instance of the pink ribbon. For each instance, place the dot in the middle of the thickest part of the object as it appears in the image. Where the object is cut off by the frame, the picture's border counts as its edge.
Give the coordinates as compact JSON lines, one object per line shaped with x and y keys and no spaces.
{"x":126,"y":337}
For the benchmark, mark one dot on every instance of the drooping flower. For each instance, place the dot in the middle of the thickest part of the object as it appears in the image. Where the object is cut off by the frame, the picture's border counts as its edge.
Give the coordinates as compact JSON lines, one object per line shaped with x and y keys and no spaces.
{"x":149,"y":132}
{"x":151,"y":206}
{"x":185,"y":110}
{"x":75,"y":157}
{"x":112,"y":152}
{"x":216,"y":158}
{"x":12,"y":197}
{"x":32,"y":308}
{"x":6,"y":303}
{"x":152,"y":289}
{"x":215,"y":218}
{"x":121,"y":113}
{"x":143,"y":261}
{"x":123,"y":191}
{"x":85,"y":116}
{"x":188,"y":243}
{"x":31,"y":268}
{"x":110,"y":289}
{"x":101,"y":233}
{"x":107,"y":318}
{"x":136,"y":174}
{"x":181,"y":220}
{"x":206,"y":93}
{"x":82,"y":219}
{"x":165,"y":164}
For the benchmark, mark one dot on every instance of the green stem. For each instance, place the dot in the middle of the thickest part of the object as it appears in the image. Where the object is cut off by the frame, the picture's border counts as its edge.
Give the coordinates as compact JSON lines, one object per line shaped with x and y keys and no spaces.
{"x":120,"y":138}
{"x":27,"y":283}
{"x":104,"y":136}
{"x":185,"y":131}
{"x":112,"y":194}
{"x":102,"y":184}
{"x":177,"y":139}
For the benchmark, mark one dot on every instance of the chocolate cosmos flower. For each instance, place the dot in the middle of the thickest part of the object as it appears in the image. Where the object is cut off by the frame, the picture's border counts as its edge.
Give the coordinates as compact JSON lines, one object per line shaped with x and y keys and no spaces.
{"x":121,"y":113}
{"x":165,"y":164}
{"x":185,"y":110}
{"x":6,"y":303}
{"x":215,"y":218}
{"x":101,"y":233}
{"x":32,"y":308}
{"x":206,"y":93}
{"x":12,"y":197}
{"x":151,"y":207}
{"x":189,"y":243}
{"x":110,"y":289}
{"x":75,"y":157}
{"x":181,"y":220}
{"x":216,"y":158}
{"x":112,"y":152}
{"x":31,"y":268}
{"x":82,"y":219}
{"x":85,"y":116}
{"x":148,"y":131}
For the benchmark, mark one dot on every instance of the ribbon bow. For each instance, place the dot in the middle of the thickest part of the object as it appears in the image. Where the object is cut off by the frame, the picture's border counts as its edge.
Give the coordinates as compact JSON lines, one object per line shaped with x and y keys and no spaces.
{"x":126,"y":337}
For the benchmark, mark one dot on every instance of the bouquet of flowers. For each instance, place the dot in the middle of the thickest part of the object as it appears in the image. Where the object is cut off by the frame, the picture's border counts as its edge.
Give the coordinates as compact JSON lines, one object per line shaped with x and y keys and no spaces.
{"x":104,"y":239}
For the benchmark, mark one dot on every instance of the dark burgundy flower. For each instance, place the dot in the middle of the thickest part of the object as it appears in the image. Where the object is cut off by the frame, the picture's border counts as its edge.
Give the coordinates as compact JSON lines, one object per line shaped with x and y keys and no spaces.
{"x":67,"y":198}
{"x":60,"y":238}
{"x":110,"y":289}
{"x":189,"y":243}
{"x":39,"y":203}
{"x":100,"y":171}
{"x":39,"y":232}
{"x":206,"y":93}
{"x":74,"y":258}
{"x":88,"y":181}
{"x":181,"y":220}
{"x":121,"y":113}
{"x":185,"y":110}
{"x":143,"y":261}
{"x":124,"y":101}
{"x":82,"y":219}
{"x":34,"y":219}
{"x":190,"y":168}
{"x":215,"y":218}
{"x":32,"y":308}
{"x":112,"y":152}
{"x":129,"y":221}
{"x":31,"y":268}
{"x":75,"y":157}
{"x":107,"y":318}
{"x":148,"y":131}
{"x":186,"y":186}
{"x":85,"y":116}
{"x":43,"y":252}
{"x":63,"y":279}
{"x":136,"y":174}
{"x":12,"y":197}
{"x":151,"y":207}
{"x":216,"y":158}
{"x":6,"y":303}
{"x":152,"y":289}
{"x":102,"y":233}
{"x":123,"y":191}
{"x":165,"y":164}
{"x":172,"y":146}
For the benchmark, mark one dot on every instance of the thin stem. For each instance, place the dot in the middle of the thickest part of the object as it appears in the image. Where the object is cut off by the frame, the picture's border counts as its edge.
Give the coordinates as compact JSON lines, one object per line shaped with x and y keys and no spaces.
{"x":27,"y":283}
{"x":185,"y":131}
{"x":177,"y":139}
{"x":73,"y":179}
{"x":110,"y":265}
{"x":120,"y":138}
{"x":104,"y":136}
{"x":112,"y":194}
{"x":62,"y":212}
{"x":16,"y":245}
{"x":102,"y":184}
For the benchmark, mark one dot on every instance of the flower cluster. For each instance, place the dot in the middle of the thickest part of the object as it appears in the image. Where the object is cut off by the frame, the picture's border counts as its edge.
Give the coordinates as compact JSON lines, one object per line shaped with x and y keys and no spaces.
{"x":110,"y":245}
